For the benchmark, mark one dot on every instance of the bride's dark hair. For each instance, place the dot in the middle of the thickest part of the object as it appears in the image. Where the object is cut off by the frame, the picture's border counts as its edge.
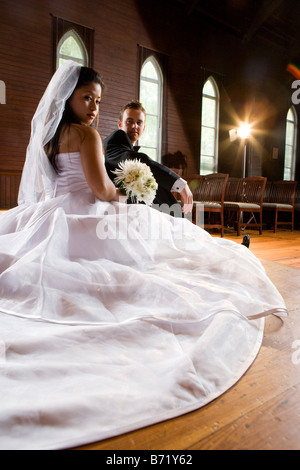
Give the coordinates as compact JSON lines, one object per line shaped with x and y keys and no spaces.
{"x":86,"y":76}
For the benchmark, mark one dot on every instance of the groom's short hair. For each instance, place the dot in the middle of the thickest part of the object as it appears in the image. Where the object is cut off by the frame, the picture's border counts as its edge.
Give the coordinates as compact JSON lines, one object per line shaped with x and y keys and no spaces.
{"x":133,"y":104}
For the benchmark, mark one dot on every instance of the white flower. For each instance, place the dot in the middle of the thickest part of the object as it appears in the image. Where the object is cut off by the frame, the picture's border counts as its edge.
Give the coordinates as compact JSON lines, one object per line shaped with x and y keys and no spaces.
{"x":135,"y":179}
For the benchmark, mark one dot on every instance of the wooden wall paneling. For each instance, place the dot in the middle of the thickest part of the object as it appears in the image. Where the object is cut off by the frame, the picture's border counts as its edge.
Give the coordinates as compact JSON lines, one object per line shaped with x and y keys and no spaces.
{"x":2,"y":191}
{"x":9,"y":188}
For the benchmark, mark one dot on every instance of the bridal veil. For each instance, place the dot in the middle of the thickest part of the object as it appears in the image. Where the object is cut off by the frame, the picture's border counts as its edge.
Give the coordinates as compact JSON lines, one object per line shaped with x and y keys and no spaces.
{"x":38,"y":177}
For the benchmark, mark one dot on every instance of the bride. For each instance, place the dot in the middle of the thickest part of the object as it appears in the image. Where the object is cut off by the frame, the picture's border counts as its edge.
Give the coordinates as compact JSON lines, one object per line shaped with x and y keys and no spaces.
{"x":113,"y":316}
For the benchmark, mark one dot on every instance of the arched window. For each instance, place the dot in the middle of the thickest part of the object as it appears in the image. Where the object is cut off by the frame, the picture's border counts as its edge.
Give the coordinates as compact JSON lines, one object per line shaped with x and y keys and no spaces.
{"x":151,"y":86}
{"x":209,"y":128}
{"x":290,"y":145}
{"x":71,"y":47}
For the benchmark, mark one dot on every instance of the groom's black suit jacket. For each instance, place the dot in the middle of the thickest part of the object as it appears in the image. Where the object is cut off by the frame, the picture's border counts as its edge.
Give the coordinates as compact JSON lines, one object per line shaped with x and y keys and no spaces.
{"x":117,"y":148}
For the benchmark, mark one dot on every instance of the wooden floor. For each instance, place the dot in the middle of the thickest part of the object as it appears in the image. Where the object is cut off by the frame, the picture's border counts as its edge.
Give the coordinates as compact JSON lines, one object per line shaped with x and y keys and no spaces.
{"x":262,"y":411}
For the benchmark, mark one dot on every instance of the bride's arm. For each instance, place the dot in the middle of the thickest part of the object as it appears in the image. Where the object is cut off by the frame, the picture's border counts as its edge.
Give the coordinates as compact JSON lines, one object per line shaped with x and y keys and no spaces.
{"x":92,"y":159}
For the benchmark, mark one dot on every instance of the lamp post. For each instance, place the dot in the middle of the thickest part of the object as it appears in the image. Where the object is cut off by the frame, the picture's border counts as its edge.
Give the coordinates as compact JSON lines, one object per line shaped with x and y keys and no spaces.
{"x":244,"y":133}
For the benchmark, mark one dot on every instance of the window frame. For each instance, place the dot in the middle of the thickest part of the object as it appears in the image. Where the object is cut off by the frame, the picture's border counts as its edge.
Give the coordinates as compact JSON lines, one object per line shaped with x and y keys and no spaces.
{"x":159,"y":115}
{"x":71,"y":33}
{"x":162,"y":59}
{"x":215,"y":127}
{"x":291,"y":170}
{"x":84,"y":36}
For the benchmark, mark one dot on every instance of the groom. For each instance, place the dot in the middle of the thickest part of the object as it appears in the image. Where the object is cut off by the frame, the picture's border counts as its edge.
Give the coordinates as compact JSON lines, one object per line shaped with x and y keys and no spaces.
{"x":119,"y":146}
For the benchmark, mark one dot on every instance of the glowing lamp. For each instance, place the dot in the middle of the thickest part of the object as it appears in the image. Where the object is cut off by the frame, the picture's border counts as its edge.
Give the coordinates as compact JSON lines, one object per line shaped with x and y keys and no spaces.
{"x":244,"y":131}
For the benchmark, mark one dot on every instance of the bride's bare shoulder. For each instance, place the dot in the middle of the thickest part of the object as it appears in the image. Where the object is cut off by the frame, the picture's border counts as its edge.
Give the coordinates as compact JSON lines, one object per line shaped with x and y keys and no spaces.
{"x":73,"y":137}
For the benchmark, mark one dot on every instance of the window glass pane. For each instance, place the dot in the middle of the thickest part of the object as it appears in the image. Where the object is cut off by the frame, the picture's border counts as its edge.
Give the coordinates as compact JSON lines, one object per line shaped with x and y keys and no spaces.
{"x":149,"y":97}
{"x":149,"y":71}
{"x":149,"y":138}
{"x":287,"y":174}
{"x":289,"y":133}
{"x":152,"y":153}
{"x":208,"y":89}
{"x":71,"y":48}
{"x":288,"y":156}
{"x":208,"y":141}
{"x":62,"y":60}
{"x":208,"y":112}
{"x":290,"y":116}
{"x":207,"y":165}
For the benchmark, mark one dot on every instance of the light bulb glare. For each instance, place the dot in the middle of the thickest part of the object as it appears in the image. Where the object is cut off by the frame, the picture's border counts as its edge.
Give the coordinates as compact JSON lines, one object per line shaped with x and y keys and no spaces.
{"x":244,"y":131}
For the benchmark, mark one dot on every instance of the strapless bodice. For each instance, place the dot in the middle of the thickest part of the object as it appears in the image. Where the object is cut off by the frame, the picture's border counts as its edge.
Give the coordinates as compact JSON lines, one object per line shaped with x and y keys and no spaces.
{"x":71,"y":176}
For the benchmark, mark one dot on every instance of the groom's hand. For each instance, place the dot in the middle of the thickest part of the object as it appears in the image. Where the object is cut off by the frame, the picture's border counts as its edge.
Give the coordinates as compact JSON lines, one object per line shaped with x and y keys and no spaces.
{"x":186,"y":197}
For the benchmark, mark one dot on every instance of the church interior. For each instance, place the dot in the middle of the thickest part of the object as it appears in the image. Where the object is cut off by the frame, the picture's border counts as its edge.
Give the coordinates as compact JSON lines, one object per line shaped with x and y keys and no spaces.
{"x":216,"y":66}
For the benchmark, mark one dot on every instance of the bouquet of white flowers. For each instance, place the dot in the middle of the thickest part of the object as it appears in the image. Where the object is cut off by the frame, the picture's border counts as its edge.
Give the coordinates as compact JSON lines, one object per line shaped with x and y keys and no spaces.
{"x":136,"y":181}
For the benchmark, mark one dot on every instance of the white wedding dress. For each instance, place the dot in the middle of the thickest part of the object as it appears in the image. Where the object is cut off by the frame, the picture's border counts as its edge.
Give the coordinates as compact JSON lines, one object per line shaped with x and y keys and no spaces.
{"x":116,"y":316}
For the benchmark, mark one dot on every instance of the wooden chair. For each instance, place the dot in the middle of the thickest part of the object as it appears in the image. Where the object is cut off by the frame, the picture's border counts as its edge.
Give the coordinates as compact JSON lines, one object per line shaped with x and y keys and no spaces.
{"x":248,"y":197}
{"x":281,"y":198}
{"x":231,"y":191}
{"x":208,"y":193}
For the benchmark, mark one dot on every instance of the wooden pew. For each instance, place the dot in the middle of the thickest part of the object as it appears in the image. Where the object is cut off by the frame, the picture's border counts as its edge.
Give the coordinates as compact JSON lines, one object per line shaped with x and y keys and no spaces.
{"x":280,"y":198}
{"x":208,"y":193}
{"x":246,"y":197}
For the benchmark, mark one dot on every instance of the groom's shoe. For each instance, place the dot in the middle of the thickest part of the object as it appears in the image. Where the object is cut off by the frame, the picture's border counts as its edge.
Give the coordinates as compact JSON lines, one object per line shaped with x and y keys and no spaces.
{"x":246,"y":241}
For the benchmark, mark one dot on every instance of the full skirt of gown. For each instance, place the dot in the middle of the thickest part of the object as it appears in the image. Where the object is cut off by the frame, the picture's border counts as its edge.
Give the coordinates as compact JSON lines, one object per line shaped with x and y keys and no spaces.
{"x":115,"y":317}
